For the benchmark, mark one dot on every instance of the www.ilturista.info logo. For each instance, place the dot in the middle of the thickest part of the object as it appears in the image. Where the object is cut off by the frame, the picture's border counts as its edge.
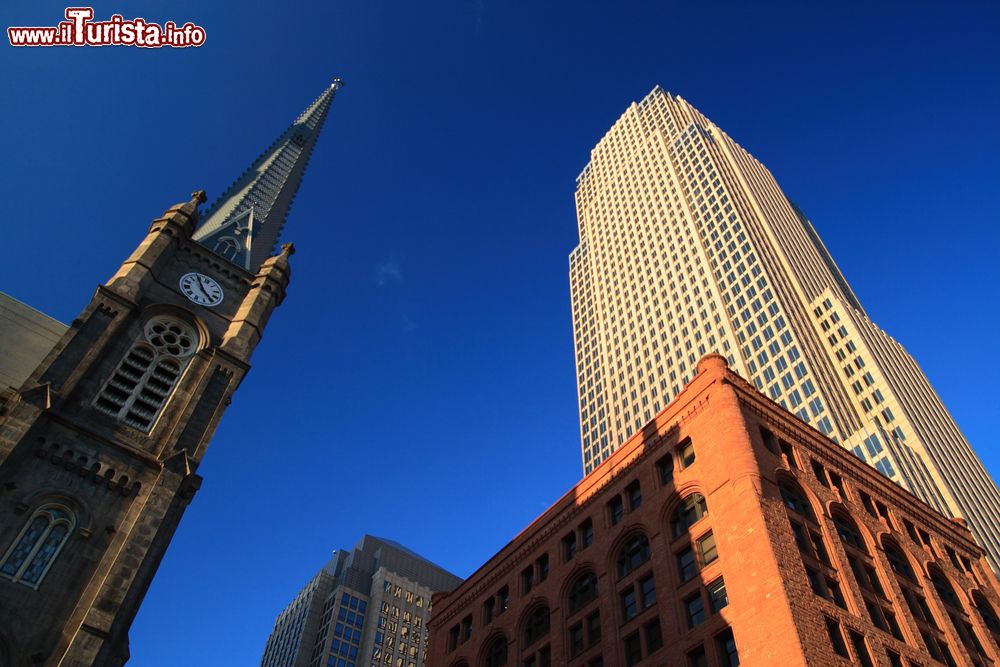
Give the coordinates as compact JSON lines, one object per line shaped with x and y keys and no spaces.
{"x":79,"y":29}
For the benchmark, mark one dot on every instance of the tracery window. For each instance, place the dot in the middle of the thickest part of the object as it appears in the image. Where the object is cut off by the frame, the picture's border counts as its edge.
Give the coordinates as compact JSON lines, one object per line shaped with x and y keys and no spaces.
{"x":138,"y":389}
{"x":36,"y":547}
{"x":228,"y":247}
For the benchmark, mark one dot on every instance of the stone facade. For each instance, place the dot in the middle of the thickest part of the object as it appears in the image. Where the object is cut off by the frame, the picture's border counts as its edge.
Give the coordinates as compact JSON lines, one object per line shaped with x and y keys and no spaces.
{"x":108,"y":494}
{"x":727,"y":532}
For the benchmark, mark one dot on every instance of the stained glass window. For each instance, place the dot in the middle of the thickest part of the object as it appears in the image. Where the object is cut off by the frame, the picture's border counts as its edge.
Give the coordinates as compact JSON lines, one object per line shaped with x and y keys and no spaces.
{"x":37,"y":546}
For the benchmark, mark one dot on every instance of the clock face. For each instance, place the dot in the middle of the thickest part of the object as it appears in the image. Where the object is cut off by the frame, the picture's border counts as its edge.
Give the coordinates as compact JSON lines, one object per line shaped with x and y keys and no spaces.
{"x":201,"y":289}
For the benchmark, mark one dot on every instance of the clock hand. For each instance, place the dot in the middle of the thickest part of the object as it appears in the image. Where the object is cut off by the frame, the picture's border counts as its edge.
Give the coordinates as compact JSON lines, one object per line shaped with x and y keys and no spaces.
{"x":201,"y":286}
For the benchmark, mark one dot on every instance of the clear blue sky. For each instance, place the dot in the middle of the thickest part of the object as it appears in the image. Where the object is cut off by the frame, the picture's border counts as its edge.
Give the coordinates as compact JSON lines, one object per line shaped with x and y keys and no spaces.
{"x":426,"y":345}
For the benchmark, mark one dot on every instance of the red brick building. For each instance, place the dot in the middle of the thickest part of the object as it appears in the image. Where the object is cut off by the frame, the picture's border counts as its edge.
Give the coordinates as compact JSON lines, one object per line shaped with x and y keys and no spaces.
{"x":727,"y":532}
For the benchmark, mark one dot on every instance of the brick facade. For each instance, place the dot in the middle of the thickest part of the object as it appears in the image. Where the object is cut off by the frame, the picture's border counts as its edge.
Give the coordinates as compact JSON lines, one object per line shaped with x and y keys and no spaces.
{"x":802,"y":551}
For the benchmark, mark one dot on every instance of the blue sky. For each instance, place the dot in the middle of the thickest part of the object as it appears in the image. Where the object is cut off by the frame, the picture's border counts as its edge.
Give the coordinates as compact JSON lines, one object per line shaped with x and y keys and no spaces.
{"x":426,"y":342}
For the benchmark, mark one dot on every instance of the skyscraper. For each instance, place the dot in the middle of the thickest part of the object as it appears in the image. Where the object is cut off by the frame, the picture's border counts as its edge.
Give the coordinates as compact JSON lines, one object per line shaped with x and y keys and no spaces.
{"x":688,"y":246}
{"x":103,"y":424}
{"x":367,"y":606}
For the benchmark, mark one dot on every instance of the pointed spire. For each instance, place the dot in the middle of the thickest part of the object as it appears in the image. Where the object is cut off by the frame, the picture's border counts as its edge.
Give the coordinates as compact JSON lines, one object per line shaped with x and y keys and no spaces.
{"x":244,"y":224}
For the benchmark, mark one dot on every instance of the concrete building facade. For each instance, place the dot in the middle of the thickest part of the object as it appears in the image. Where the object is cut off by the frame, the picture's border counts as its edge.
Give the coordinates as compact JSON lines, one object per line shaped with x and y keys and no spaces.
{"x":688,"y":246}
{"x":368,"y":606}
{"x":727,"y":532}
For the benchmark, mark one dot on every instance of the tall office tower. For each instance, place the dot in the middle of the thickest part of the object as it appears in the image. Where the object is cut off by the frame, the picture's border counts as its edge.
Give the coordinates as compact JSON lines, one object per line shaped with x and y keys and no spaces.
{"x":367,"y":606}
{"x":727,"y":532}
{"x":103,"y":424}
{"x":688,"y":246}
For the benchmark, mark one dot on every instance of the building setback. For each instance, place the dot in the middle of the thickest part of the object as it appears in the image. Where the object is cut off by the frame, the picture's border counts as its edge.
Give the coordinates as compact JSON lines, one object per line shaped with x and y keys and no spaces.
{"x":727,"y":532}
{"x":367,"y":606}
{"x":688,"y":246}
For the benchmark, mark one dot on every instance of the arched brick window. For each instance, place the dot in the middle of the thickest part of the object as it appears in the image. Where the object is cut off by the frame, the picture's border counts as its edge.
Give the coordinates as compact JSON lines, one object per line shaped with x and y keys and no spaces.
{"x":848,"y":531}
{"x":916,"y":600}
{"x":582,"y":591}
{"x":958,"y":615}
{"x":820,"y":571}
{"x":795,"y":499}
{"x":34,"y":550}
{"x":144,"y":379}
{"x":899,"y":563}
{"x":688,"y":512}
{"x":989,"y":615}
{"x":633,"y":553}
{"x":496,"y":652}
{"x":536,"y":625}
{"x":874,"y":598}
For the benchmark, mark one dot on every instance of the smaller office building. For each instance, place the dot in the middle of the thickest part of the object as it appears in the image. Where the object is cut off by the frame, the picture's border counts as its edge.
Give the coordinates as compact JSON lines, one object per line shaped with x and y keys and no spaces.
{"x":367,"y":607}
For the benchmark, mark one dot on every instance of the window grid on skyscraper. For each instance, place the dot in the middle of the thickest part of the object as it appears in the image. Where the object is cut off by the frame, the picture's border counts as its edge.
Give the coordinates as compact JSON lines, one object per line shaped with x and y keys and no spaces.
{"x":688,"y":246}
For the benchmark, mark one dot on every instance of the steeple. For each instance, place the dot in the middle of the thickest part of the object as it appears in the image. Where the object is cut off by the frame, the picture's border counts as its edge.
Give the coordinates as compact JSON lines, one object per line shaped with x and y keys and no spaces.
{"x":244,"y":224}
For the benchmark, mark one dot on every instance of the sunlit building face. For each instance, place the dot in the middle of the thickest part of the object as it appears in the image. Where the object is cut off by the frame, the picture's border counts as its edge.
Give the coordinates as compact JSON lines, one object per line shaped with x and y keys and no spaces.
{"x":688,"y":246}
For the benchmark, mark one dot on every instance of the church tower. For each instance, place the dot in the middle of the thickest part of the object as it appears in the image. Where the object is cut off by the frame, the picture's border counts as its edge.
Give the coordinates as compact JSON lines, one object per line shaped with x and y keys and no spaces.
{"x":100,"y":446}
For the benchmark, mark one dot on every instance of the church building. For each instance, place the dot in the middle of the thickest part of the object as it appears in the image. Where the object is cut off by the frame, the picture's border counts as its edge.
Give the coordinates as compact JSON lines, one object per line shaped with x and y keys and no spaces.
{"x":103,"y":423}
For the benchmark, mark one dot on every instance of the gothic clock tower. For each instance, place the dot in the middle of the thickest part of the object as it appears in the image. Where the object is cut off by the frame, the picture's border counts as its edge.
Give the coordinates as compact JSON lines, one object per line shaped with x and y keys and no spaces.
{"x":100,"y":446}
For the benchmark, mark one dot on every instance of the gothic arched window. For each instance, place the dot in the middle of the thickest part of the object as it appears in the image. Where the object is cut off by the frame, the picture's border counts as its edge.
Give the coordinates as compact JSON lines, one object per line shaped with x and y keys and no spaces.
{"x":140,"y":386}
{"x":687,"y":513}
{"x":38,"y":544}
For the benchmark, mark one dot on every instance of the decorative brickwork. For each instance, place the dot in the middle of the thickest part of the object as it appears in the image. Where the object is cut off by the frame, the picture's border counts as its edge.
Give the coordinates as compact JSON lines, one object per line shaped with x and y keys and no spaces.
{"x":728,"y":530}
